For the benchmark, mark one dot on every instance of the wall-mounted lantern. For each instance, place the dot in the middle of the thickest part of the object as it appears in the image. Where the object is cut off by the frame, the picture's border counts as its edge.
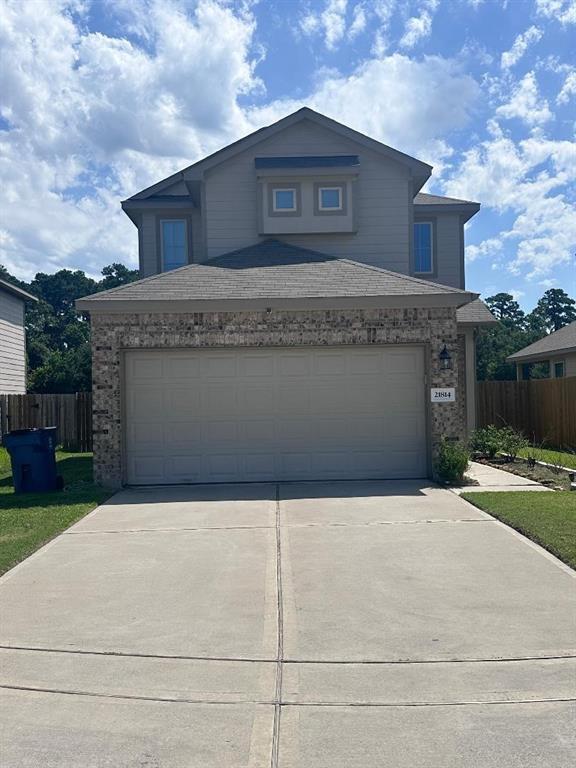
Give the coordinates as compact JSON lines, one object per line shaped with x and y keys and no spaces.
{"x":445,"y":359}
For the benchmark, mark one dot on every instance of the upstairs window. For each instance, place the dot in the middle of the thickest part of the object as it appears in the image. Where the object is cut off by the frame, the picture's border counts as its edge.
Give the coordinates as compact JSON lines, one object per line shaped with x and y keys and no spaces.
{"x":423,"y":255}
{"x":174,"y":244}
{"x":284,"y":200}
{"x":330,"y":198}
{"x":559,"y":369}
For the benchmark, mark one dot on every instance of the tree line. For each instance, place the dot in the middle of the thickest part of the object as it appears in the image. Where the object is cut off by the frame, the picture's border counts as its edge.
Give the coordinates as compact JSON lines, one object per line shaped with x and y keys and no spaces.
{"x":58,"y":337}
{"x":518,"y":329}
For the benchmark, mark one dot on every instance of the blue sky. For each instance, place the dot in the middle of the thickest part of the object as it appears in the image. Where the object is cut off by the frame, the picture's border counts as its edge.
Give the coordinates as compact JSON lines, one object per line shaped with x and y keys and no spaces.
{"x":101,"y":98}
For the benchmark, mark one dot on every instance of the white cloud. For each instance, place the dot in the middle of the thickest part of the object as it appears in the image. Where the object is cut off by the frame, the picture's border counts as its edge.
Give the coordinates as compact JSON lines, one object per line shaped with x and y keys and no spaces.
{"x":359,"y":19}
{"x":488,"y":248}
{"x":563,"y":11}
{"x":520,"y":46}
{"x":530,"y":179}
{"x":331,"y":22}
{"x":412,"y":104}
{"x":568,"y":89}
{"x":97,"y":118}
{"x":419,"y":27}
{"x":526,"y":104}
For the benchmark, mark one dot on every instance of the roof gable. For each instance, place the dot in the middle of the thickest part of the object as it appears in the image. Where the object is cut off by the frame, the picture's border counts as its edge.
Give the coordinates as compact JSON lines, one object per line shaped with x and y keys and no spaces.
{"x":421,"y":171}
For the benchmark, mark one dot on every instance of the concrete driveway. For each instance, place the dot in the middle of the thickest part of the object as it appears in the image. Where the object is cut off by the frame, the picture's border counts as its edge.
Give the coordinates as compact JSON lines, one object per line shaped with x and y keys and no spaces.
{"x":338,"y":625}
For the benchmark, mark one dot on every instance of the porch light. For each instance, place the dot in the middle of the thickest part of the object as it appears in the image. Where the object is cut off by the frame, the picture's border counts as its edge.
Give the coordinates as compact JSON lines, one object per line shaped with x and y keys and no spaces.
{"x":445,"y":359}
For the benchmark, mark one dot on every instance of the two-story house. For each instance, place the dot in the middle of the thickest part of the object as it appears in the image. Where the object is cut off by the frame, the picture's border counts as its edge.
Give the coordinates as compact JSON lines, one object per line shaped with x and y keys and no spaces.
{"x":302,"y":315}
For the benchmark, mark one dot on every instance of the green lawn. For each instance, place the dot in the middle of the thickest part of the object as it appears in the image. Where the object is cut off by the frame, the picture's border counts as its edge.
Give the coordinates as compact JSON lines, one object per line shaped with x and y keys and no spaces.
{"x":551,"y":457}
{"x":549,"y":519}
{"x":29,"y":520}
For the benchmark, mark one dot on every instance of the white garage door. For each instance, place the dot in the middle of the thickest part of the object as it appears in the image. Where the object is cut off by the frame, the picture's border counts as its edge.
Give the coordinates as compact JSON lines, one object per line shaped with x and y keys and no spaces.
{"x":275,"y":414}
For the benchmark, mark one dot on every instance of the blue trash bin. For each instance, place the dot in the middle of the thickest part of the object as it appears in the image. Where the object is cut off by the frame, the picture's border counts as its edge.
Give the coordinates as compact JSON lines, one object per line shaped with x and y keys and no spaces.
{"x":33,"y":459}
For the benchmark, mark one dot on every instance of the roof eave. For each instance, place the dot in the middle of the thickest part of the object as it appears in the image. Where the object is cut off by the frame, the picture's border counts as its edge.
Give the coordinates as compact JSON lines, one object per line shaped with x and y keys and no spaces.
{"x":466,"y":210}
{"x":138,"y":306}
{"x":20,"y":293}
{"x":538,"y":356}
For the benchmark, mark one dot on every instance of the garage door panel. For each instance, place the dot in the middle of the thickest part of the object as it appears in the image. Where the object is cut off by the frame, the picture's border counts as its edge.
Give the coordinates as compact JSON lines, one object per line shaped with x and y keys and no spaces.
{"x":181,"y":367}
{"x":184,"y":401}
{"x":146,"y":403}
{"x":185,"y":468}
{"x":256,"y":366}
{"x":256,"y":399}
{"x":294,"y":364}
{"x":267,"y":414}
{"x":146,"y":367}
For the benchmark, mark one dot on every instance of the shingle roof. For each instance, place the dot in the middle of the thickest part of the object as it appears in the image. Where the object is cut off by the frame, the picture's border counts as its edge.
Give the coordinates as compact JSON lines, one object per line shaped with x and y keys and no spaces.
{"x":423,"y":198}
{"x":563,"y":340}
{"x":274,"y":270}
{"x":475,"y":313}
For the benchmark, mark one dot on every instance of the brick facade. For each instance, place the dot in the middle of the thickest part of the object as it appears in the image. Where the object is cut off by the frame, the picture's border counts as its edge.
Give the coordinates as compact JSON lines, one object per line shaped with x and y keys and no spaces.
{"x":113,"y":333}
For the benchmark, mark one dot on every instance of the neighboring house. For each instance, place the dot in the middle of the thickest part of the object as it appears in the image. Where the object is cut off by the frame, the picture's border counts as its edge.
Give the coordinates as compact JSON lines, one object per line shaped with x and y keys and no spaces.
{"x":301,"y":299}
{"x":557,"y":351}
{"x":12,"y":339}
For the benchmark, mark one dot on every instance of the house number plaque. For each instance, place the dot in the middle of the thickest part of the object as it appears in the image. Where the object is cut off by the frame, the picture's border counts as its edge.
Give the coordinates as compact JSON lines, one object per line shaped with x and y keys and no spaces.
{"x":443,"y":395}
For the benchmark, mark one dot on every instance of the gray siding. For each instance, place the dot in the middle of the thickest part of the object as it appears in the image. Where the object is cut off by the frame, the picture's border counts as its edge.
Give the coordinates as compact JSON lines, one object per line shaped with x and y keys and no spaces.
{"x":383,"y":234}
{"x":149,"y":257}
{"x":12,"y":345}
{"x":448,"y":243}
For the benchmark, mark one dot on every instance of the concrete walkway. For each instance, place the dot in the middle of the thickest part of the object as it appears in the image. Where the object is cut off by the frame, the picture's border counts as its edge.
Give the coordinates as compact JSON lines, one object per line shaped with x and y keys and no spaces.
{"x":492,"y":479}
{"x":291,"y":626}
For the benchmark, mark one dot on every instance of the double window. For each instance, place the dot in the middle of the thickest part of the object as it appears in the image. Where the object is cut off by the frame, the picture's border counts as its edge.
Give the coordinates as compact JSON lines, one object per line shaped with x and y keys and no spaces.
{"x":174,"y":241}
{"x":423,"y":248}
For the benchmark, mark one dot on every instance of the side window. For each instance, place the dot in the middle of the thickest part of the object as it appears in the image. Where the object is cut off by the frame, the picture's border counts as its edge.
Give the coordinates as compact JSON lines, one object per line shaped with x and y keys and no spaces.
{"x":174,"y":244}
{"x":559,"y":369}
{"x":423,"y":249}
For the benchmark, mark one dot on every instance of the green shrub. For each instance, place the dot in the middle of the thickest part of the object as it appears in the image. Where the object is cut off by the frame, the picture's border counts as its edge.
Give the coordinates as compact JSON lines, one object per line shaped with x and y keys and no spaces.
{"x":512,"y":441}
{"x":452,"y":461}
{"x":487,"y":441}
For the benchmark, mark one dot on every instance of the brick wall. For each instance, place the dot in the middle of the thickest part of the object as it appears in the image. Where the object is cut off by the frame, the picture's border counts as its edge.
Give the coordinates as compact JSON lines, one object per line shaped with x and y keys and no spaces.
{"x":116,"y":332}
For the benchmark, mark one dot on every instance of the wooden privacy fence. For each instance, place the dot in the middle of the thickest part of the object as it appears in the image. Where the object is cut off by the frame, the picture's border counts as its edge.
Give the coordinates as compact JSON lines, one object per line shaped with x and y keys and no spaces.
{"x":72,"y":414}
{"x":544,"y":409}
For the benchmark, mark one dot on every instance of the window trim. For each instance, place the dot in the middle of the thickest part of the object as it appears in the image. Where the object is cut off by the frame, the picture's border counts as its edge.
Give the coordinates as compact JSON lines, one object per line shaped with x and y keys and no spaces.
{"x":275,"y":191}
{"x":432,"y":270}
{"x":562,"y":362}
{"x":343,"y":187}
{"x":272,"y":188}
{"x":172,"y":220}
{"x":329,"y":208}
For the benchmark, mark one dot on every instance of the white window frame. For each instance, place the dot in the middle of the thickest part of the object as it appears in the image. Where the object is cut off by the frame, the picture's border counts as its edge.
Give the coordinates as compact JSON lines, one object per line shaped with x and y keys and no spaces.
{"x":294,"y":200}
{"x":432,"y":254}
{"x":330,"y":207}
{"x":173,"y":221}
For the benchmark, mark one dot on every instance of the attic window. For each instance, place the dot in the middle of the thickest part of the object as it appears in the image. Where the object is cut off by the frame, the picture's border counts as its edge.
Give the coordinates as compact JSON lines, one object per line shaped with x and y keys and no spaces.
{"x":330,"y":198}
{"x":284,"y":200}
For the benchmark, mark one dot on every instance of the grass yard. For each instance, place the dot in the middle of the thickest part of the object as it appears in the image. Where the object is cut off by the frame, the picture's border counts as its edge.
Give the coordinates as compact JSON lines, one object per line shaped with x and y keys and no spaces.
{"x":551,"y":457}
{"x":29,"y":520}
{"x":549,"y":519}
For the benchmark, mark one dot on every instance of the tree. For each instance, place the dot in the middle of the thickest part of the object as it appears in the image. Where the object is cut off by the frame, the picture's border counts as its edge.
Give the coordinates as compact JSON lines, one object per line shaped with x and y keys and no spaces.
{"x":115,"y":275}
{"x":58,"y":337}
{"x":505,"y":308}
{"x":555,"y":309}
